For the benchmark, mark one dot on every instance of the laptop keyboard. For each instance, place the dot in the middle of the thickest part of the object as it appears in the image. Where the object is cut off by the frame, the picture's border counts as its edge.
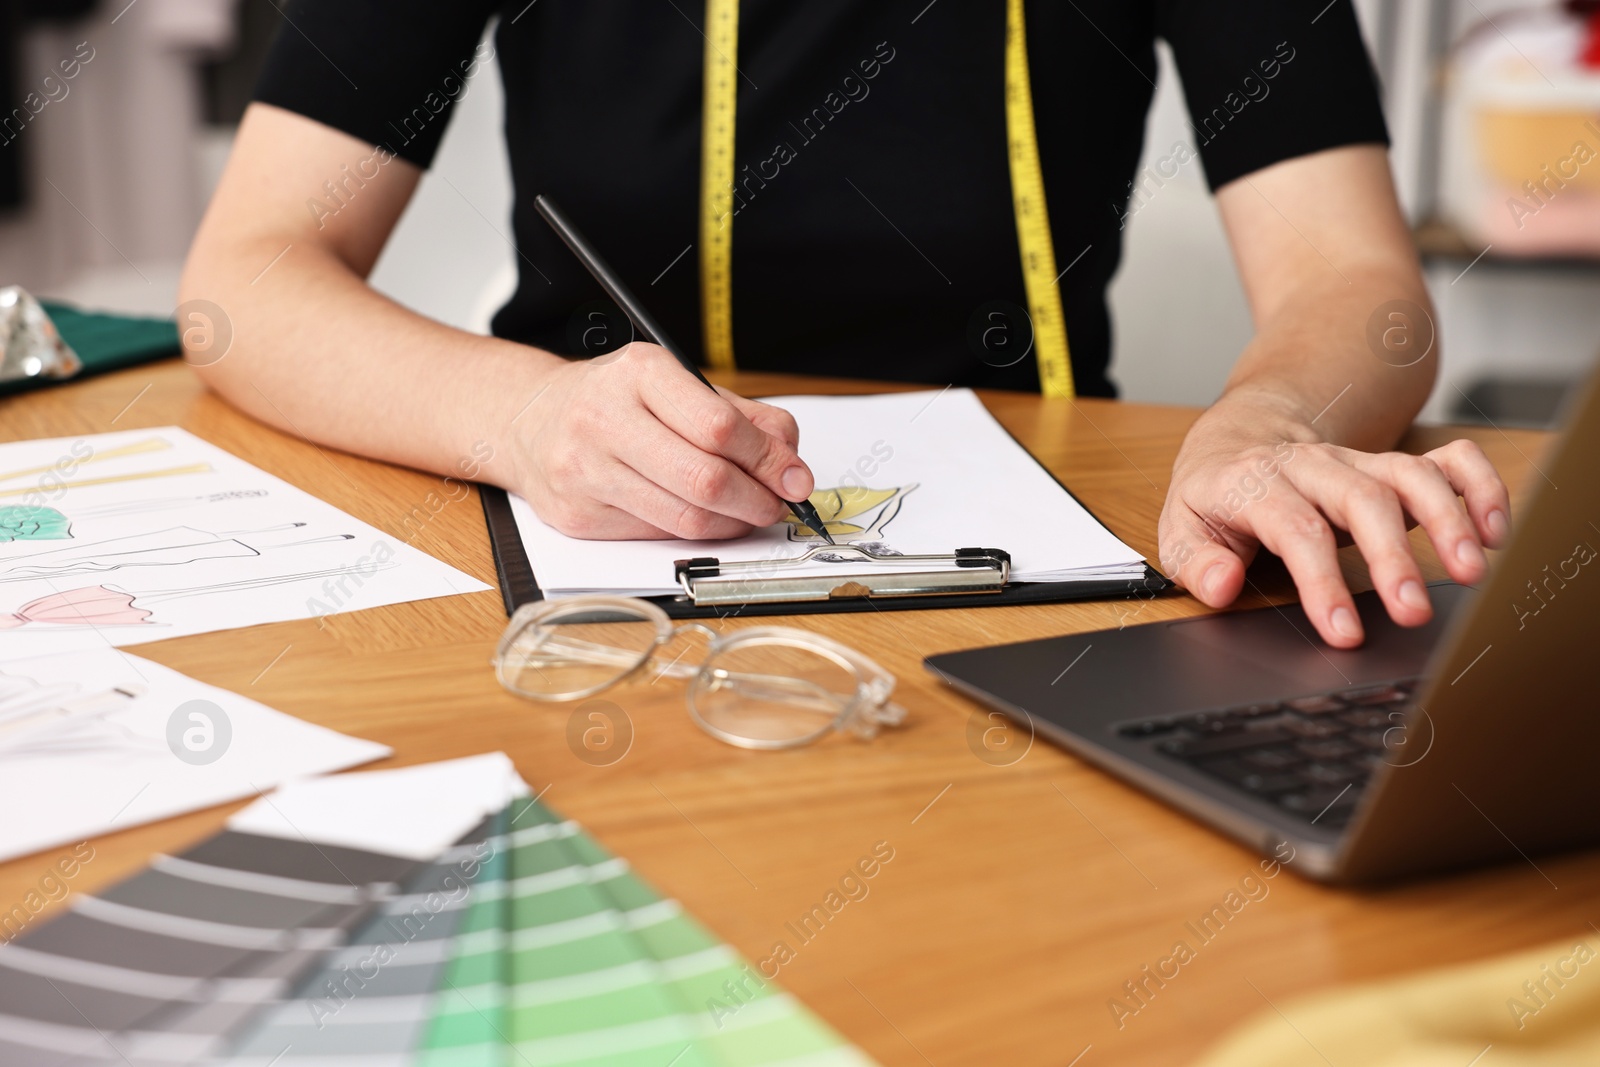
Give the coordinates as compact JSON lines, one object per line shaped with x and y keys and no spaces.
{"x":1310,"y":756}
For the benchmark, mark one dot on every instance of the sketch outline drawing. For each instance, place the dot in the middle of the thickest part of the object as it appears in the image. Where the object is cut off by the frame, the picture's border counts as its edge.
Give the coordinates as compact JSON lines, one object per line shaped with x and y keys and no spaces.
{"x":37,"y":719}
{"x":135,"y":507}
{"x":174,"y":546}
{"x":159,"y":532}
{"x":837,"y":505}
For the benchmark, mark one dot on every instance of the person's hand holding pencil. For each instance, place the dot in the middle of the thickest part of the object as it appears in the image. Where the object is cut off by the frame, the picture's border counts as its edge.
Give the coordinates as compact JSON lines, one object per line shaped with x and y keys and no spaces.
{"x":736,"y":446}
{"x":628,"y":446}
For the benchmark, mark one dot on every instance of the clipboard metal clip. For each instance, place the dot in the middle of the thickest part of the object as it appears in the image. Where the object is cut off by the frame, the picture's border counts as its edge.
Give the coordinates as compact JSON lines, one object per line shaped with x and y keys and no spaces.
{"x":708,"y":582}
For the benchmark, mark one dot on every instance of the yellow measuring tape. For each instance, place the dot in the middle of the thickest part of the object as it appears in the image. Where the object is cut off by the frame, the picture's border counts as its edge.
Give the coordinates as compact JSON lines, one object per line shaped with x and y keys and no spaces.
{"x":1027,"y":196}
{"x":716,"y":179}
{"x":1033,"y":221}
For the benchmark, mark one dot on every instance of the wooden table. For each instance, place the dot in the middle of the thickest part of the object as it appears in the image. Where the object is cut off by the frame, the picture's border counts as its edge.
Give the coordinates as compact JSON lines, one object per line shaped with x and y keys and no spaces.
{"x":1019,"y":898}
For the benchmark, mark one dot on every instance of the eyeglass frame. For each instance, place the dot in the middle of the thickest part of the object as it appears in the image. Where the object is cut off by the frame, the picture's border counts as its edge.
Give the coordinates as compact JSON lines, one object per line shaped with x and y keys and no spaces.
{"x":865,"y":713}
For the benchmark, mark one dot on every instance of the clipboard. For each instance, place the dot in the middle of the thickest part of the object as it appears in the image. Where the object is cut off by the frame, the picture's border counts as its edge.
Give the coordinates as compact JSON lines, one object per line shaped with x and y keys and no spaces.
{"x":965,"y":578}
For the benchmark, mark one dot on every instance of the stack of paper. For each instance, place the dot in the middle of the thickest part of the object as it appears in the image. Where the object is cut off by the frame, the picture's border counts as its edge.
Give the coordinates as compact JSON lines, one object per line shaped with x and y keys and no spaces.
{"x":117,"y":539}
{"x":908,"y":473}
{"x":435,"y":916}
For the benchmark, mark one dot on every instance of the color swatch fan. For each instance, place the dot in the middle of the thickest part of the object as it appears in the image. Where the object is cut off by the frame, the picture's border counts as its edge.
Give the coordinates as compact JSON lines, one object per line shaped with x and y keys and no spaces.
{"x":435,"y":916}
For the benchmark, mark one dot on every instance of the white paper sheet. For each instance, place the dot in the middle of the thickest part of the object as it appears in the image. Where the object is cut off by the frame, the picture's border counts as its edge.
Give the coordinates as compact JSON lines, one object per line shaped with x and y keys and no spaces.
{"x":114,"y":766}
{"x":142,"y":535}
{"x":924,"y":472}
{"x":416,"y":812}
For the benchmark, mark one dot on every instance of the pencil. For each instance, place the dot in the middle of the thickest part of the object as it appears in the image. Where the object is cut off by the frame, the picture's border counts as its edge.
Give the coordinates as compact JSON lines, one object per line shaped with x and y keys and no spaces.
{"x":648,"y":328}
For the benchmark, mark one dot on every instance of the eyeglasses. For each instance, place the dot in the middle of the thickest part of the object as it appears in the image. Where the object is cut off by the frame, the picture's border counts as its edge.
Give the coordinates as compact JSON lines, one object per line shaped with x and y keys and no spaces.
{"x":766,"y":687}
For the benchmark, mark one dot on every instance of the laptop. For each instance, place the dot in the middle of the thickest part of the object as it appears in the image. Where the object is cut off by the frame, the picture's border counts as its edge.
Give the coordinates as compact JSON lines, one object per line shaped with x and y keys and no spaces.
{"x":1469,"y":741}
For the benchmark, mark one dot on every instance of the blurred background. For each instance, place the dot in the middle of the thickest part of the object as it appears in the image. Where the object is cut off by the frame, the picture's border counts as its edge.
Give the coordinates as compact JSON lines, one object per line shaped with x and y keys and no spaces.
{"x":120,"y":113}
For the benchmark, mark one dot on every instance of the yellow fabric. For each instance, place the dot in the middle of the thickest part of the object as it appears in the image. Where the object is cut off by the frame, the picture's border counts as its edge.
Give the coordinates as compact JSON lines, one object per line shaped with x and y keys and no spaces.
{"x":1439,"y":1018}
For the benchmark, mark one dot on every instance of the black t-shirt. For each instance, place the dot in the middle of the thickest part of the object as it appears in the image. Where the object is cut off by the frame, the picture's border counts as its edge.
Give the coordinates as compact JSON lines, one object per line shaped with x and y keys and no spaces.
{"x":874,"y":234}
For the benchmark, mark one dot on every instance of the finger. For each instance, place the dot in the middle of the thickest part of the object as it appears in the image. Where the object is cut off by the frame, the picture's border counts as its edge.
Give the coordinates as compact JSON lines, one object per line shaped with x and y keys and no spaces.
{"x":1192,"y":556}
{"x":1370,"y":510}
{"x":627,"y":490}
{"x":1480,"y":485}
{"x":707,"y":481}
{"x":774,"y":420}
{"x":706,"y":420}
{"x":1430,"y":499}
{"x":1300,"y":536}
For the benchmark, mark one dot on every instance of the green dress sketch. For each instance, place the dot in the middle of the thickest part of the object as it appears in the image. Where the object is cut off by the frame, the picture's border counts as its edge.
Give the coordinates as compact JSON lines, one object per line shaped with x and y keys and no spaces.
{"x":32,"y":522}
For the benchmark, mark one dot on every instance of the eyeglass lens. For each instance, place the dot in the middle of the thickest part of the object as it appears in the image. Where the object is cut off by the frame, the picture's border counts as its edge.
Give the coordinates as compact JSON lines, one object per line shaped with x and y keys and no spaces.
{"x":573,"y":652}
{"x":772,"y":693}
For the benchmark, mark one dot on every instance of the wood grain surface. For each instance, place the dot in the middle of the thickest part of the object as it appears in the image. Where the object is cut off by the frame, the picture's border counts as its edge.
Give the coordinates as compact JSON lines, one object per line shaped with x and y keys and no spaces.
{"x":1019,"y":899}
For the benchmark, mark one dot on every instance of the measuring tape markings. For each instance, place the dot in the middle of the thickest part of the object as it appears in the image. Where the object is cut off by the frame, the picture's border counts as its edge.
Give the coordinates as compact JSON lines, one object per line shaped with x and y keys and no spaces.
{"x":716,"y":179}
{"x":1027,"y":194}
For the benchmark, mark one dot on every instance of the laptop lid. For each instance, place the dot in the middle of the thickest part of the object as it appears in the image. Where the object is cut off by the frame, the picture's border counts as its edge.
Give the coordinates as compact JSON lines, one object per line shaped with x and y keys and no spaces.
{"x":1502,"y":754}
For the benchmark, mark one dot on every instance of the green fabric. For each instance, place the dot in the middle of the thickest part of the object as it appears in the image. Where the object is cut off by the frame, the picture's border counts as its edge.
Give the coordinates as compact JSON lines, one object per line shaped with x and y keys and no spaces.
{"x":104,"y":342}
{"x":110,"y":342}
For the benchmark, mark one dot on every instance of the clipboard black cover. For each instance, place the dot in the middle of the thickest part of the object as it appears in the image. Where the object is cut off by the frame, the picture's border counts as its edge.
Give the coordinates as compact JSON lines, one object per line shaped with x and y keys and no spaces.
{"x":518,"y":586}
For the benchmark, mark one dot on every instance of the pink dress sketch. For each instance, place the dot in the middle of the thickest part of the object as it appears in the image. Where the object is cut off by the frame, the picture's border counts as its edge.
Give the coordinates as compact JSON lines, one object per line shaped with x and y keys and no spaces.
{"x":93,"y":605}
{"x":99,"y":605}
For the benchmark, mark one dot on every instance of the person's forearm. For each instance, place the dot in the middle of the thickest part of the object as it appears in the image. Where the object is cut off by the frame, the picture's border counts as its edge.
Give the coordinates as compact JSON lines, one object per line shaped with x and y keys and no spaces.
{"x":629,"y":446}
{"x":1349,"y":363}
{"x":316,"y":352}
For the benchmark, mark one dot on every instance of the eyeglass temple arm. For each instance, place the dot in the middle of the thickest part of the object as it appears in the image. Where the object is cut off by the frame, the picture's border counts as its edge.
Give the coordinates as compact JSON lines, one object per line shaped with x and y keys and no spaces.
{"x":874,"y":709}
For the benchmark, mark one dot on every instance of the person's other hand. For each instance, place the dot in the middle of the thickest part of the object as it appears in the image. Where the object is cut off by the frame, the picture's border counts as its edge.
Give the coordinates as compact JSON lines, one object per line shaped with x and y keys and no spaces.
{"x":631,"y":445}
{"x":1237,"y":486}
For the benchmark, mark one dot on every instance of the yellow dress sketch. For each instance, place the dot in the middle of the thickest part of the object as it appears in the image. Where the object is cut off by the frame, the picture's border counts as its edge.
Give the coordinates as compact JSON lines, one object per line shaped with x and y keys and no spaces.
{"x":872,"y":510}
